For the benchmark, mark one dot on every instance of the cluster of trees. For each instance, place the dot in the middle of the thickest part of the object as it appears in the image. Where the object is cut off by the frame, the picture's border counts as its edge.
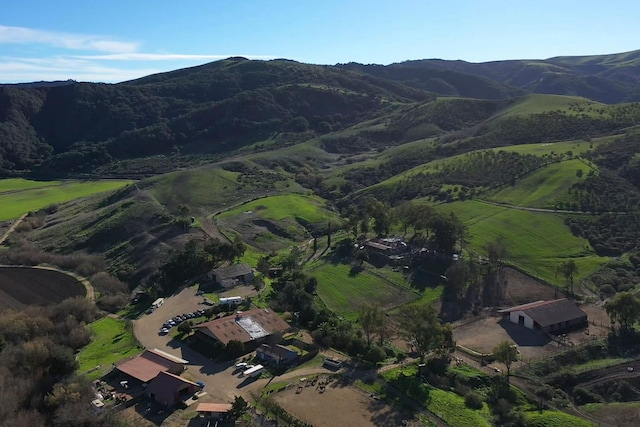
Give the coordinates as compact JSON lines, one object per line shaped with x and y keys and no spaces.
{"x":38,"y":383}
{"x":441,"y":231}
{"x":196,"y":258}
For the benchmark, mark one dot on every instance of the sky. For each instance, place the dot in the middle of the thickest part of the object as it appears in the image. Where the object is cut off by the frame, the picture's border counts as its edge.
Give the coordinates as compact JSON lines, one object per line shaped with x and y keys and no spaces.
{"x":113,"y":41}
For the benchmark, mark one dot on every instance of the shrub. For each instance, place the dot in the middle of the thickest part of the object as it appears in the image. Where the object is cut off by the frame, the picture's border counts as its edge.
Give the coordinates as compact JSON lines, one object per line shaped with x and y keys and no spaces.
{"x":583,"y":396}
{"x":473,"y":400}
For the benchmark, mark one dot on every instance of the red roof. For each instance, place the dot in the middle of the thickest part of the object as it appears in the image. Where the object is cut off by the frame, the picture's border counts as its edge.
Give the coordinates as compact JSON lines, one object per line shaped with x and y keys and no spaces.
{"x":149,"y":364}
{"x":227,"y":328}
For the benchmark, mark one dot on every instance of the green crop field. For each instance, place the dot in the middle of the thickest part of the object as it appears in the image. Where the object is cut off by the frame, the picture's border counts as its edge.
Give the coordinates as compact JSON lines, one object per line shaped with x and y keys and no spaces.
{"x":309,"y":209}
{"x":16,"y":203}
{"x":536,"y":241}
{"x":545,"y":187}
{"x":112,"y":341}
{"x":555,"y":419}
{"x":344,"y":293}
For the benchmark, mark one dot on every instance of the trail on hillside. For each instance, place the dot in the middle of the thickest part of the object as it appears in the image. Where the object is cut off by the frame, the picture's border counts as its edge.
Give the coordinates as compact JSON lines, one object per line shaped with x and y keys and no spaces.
{"x":543,"y":210}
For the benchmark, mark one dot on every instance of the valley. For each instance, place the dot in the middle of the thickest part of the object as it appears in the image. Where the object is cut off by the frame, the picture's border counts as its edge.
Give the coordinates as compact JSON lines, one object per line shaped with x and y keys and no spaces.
{"x":369,"y":206}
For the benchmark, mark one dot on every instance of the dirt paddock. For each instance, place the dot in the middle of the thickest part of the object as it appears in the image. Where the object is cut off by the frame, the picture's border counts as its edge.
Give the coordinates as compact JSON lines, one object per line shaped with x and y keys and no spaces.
{"x":340,"y":405}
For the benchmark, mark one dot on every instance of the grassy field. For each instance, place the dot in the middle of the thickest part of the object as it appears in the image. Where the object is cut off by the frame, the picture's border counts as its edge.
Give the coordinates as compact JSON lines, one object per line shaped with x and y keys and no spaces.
{"x":16,"y":184}
{"x":540,"y":103}
{"x":308,"y":209}
{"x":577,"y":147}
{"x":25,"y":199}
{"x":545,"y":187}
{"x":537,"y":242}
{"x":447,"y":405}
{"x":343,"y":292}
{"x":210,"y":189}
{"x":112,"y":341}
{"x":555,"y":419}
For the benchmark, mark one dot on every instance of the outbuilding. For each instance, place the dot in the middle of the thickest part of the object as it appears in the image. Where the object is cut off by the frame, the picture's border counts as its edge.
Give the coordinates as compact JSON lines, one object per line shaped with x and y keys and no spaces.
{"x":232,"y":275}
{"x":549,"y":316}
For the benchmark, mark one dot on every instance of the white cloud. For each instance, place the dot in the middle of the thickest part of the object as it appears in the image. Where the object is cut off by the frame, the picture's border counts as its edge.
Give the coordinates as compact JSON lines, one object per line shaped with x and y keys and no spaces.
{"x":163,"y":57}
{"x":23,"y":35}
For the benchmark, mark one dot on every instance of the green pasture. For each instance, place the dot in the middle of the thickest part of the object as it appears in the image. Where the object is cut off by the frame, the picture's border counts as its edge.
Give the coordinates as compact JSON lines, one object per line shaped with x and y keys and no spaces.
{"x":445,"y":404}
{"x":309,"y":209}
{"x":344,"y":292}
{"x":112,"y":341}
{"x":536,"y":241}
{"x":555,"y":419}
{"x":603,"y":409}
{"x":210,"y":188}
{"x":26,"y":200}
{"x":577,"y":147}
{"x":545,"y":187}
{"x":541,"y":103}
{"x":16,"y":184}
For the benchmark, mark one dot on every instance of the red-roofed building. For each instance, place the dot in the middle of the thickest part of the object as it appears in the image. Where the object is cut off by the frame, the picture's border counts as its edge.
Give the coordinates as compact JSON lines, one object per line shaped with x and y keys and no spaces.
{"x":150,"y":363}
{"x":252,"y":326}
{"x":550,"y":316}
{"x":168,"y":389}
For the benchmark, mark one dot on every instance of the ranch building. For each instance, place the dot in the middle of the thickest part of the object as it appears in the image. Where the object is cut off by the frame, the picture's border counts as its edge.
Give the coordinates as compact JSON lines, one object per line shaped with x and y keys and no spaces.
{"x":549,"y":316}
{"x":277,"y":355}
{"x":146,"y":366}
{"x":232,"y":275}
{"x":251,"y":328}
{"x":214,"y":411}
{"x":169,"y":389}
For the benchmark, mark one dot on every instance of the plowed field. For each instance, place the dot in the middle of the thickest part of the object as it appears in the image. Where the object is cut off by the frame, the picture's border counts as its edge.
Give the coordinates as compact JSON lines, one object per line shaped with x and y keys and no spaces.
{"x":28,"y":286}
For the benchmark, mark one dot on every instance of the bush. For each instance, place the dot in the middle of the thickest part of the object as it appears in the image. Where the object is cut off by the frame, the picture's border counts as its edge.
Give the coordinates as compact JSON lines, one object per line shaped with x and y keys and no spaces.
{"x":473,"y":400}
{"x":583,"y":396}
{"x":375,"y":354}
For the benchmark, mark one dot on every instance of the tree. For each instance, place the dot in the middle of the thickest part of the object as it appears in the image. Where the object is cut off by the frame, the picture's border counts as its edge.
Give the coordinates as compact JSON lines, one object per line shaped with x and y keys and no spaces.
{"x":424,"y":331}
{"x":239,"y":407}
{"x":371,"y":316}
{"x":568,"y":269}
{"x":545,"y":394}
{"x":506,"y":352}
{"x":623,"y":309}
{"x":185,"y":328}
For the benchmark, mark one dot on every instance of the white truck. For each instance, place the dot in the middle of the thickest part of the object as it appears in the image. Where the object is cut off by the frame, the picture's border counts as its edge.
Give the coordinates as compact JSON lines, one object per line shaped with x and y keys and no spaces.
{"x":253,"y":372}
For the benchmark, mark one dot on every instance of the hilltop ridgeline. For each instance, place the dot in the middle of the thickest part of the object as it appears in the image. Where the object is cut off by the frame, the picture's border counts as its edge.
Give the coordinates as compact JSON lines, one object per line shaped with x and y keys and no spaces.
{"x":67,"y":128}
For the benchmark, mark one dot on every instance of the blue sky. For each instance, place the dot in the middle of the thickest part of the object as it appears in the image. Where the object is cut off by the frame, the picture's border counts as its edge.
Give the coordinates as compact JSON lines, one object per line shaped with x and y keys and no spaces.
{"x":112,"y":41}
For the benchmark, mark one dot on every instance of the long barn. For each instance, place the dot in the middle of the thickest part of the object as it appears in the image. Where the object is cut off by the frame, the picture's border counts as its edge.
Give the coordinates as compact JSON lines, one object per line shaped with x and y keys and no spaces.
{"x":550,"y":316}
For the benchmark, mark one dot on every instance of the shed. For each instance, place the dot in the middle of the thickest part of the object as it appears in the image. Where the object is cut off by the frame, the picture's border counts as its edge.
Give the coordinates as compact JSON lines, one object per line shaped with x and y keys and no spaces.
{"x":278,"y":354}
{"x":231,"y":275}
{"x":214,"y":410}
{"x":550,"y":316}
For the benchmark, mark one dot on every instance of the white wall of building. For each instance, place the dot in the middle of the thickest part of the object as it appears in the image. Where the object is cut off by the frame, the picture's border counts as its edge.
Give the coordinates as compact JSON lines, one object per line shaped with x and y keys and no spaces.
{"x":515,"y":315}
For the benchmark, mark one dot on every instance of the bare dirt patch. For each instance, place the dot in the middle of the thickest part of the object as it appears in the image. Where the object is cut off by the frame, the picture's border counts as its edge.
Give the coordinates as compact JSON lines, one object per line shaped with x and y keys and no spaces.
{"x":339,"y":405}
{"x":522,"y":289}
{"x":20,"y":287}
